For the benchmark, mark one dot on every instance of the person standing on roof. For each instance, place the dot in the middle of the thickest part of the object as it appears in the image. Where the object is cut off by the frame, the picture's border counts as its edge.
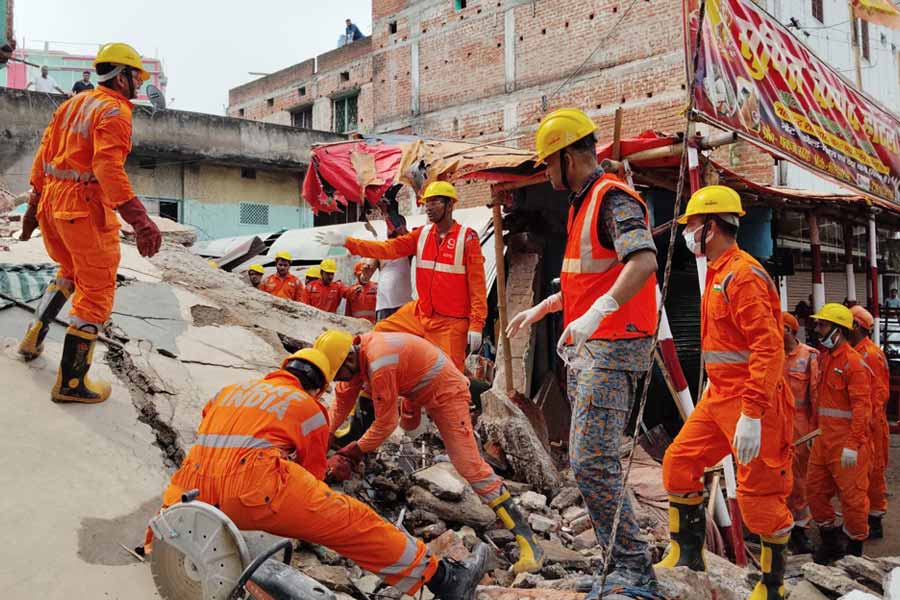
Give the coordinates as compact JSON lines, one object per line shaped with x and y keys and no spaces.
{"x":452,"y":306}
{"x":282,"y":282}
{"x":361,"y":297}
{"x":608,"y":300}
{"x":747,"y":408}
{"x":260,"y":458}
{"x":326,"y":293}
{"x":839,"y":461}
{"x":78,"y":183}
{"x":255,"y":274}
{"x":406,"y":369}
{"x":801,"y":371}
{"x":874,"y":357}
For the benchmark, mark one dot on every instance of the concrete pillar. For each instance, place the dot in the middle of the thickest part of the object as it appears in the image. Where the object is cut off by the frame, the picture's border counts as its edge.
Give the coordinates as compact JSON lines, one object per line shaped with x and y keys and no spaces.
{"x":815,"y":246}
{"x":873,"y":279}
{"x":509,"y":49}
{"x":414,"y":76}
{"x":783,"y":293}
{"x":848,"y":261}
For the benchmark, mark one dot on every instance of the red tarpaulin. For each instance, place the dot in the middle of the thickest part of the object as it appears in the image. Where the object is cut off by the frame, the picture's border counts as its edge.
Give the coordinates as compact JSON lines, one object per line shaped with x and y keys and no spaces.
{"x":338,"y":165}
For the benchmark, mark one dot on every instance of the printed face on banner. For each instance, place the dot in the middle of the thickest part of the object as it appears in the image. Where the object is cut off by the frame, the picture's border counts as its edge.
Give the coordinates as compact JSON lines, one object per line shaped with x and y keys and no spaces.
{"x":754,"y":77}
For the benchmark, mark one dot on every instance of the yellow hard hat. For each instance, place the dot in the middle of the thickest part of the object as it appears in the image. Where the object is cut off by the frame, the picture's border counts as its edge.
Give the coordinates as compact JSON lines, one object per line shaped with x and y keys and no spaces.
{"x":118,"y":53}
{"x":335,"y":345}
{"x":835,"y":313}
{"x":314,"y":357}
{"x":713,"y":200}
{"x":213,"y":264}
{"x":257,"y":268}
{"x":328,"y":266}
{"x":561,"y":128}
{"x":313,"y":272}
{"x":439,"y":188}
{"x":285,"y":255}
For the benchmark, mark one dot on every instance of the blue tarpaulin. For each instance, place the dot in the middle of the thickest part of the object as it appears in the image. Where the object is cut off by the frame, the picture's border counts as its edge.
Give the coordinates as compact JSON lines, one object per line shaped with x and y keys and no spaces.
{"x":25,"y":282}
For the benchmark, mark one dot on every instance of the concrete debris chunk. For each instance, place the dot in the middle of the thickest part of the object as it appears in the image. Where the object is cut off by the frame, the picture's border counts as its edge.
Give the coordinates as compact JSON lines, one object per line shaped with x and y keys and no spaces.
{"x":806,"y":591}
{"x":581,"y":524}
{"x":568,"y":496}
{"x":469,"y":511}
{"x":334,"y":578}
{"x":555,"y":552}
{"x":857,"y":595}
{"x":449,"y":545}
{"x":684,"y":584}
{"x":585,"y":540}
{"x":542,"y":524}
{"x":443,"y":481}
{"x":533,"y":501}
{"x":862,"y":568}
{"x":832,"y":580}
{"x":573,"y":513}
{"x":891,"y":584}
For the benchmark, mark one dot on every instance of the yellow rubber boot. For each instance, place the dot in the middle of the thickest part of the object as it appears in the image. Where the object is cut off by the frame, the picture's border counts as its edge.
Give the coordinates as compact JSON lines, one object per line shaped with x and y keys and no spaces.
{"x":72,"y":382}
{"x":531,"y":554}
{"x":772,"y":562}
{"x":55,"y":296}
{"x":687,"y":529}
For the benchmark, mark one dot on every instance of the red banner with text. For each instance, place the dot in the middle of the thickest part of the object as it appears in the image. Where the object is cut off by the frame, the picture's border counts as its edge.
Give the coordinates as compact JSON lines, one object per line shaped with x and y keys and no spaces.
{"x":754,"y":77}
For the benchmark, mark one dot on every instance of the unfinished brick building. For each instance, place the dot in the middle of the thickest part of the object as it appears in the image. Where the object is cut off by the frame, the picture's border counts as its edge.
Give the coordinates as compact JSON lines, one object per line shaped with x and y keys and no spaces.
{"x":488,"y":70}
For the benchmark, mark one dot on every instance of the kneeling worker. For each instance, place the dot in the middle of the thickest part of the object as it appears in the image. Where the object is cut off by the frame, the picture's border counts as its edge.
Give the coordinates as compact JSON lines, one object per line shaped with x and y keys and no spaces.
{"x":260,"y":458}
{"x":391,"y":365}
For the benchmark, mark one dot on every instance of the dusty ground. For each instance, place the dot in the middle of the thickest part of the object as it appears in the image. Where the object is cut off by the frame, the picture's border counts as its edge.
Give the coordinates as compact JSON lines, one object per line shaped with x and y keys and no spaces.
{"x":890,"y":545}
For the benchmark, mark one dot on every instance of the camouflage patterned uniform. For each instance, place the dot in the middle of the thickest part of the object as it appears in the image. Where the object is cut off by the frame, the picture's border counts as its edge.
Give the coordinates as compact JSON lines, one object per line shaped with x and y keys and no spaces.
{"x":601,"y":383}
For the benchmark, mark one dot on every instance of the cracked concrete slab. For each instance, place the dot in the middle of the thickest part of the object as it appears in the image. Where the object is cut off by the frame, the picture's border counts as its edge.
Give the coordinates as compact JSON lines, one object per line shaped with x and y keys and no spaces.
{"x":149,"y":311}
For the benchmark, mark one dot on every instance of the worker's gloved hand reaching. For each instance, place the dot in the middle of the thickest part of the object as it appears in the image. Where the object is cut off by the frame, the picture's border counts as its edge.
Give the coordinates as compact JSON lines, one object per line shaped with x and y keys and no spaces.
{"x":29,"y":221}
{"x":584,"y":326}
{"x":474,"y":341}
{"x":146,"y":233}
{"x":331,"y":238}
{"x":342,"y":464}
{"x":747,"y":438}
{"x":534,"y":314}
{"x":848,"y":458}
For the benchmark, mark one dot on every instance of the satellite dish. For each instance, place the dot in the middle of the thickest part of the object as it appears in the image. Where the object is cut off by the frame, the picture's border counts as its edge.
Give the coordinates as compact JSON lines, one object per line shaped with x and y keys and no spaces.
{"x":156,"y":98}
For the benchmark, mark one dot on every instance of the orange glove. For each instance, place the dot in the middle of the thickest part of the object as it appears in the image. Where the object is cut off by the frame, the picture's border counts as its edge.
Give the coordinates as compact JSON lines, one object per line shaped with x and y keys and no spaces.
{"x":342,"y":464}
{"x":146,"y":233}
{"x":29,"y":221}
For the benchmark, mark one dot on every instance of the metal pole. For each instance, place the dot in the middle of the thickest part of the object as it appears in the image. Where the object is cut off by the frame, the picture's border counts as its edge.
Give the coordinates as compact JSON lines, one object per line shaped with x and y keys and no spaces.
{"x":873,"y":279}
{"x":848,"y":261}
{"x":501,"y":291}
{"x":815,"y":246}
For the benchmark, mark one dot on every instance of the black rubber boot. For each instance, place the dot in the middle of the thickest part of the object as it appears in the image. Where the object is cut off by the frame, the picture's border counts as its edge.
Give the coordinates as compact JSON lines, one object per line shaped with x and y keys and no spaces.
{"x":800,"y":543}
{"x":361,"y":419}
{"x":832,"y":547}
{"x":458,"y":580}
{"x":854,"y":548}
{"x":876,"y":531}
{"x":55,"y":296}
{"x":72,"y":382}
{"x":772,"y":560}
{"x":531,"y":554}
{"x":687,"y":528}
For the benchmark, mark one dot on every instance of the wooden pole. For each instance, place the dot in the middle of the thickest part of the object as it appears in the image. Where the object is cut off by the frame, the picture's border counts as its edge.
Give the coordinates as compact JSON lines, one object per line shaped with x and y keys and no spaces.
{"x":617,"y":135}
{"x":501,"y":289}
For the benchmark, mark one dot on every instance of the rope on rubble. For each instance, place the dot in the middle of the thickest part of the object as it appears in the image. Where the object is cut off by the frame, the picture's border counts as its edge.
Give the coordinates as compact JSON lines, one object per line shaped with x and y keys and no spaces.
{"x":673,"y":227}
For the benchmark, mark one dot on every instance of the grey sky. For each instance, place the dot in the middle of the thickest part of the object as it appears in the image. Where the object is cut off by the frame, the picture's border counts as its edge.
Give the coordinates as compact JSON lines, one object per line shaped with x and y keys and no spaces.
{"x":207,"y":47}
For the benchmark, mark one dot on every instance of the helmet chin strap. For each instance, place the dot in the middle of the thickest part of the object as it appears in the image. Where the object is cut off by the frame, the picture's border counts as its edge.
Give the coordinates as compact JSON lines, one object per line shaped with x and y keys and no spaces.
{"x":563,"y":168}
{"x":706,"y":223}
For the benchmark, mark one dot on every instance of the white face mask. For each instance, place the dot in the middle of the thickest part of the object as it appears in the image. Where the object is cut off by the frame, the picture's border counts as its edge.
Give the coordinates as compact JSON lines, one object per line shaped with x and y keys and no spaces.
{"x":830,"y":340}
{"x":692,"y":245}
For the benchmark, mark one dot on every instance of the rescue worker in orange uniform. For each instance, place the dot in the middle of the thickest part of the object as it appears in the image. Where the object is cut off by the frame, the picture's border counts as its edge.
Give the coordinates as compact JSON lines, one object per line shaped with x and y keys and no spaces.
{"x":839,"y":462}
{"x":747,"y":407}
{"x":608,"y":300}
{"x":391,"y":365}
{"x":282,"y":282}
{"x":325,"y":293}
{"x":260,"y":458}
{"x":452,"y":305}
{"x":255,"y":274}
{"x":801,"y":371}
{"x":78,"y":183}
{"x":863,"y":322}
{"x":312,"y":274}
{"x":361,"y":297}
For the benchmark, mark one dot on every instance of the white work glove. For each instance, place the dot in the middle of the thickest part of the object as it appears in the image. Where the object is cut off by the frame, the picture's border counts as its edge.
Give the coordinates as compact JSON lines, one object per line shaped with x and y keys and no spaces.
{"x":747,"y":438}
{"x":534,"y":314}
{"x":474,"y":341}
{"x":848,"y":458}
{"x":584,"y":326}
{"x":331,"y":238}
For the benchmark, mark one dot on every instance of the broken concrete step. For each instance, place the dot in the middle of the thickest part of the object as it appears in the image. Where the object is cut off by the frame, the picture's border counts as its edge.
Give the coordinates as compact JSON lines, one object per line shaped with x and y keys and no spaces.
{"x":833,"y":580}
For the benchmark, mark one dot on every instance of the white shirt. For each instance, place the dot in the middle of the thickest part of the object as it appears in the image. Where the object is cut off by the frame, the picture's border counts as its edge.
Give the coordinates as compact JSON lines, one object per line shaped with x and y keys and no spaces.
{"x":44,"y":84}
{"x":394,"y":284}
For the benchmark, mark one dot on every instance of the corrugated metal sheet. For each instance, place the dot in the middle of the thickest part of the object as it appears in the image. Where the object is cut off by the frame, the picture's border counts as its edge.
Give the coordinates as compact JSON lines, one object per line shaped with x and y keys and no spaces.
{"x":25,"y":282}
{"x":800,"y":287}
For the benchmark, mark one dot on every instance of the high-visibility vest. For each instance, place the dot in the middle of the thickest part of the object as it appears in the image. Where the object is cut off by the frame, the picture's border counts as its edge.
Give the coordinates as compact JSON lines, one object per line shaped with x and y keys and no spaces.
{"x":441,"y":272}
{"x":589,"y":270}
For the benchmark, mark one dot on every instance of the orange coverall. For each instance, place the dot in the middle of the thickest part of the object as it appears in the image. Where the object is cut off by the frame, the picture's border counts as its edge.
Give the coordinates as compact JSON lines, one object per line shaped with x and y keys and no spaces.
{"x":260,"y":458}
{"x":326,"y":297}
{"x":401,"y":364}
{"x":743,"y":349}
{"x":361,"y":301}
{"x":424,"y":317}
{"x":881,"y":433}
{"x":288,"y":287}
{"x":79,"y":172}
{"x":845,"y":417}
{"x":801,"y":370}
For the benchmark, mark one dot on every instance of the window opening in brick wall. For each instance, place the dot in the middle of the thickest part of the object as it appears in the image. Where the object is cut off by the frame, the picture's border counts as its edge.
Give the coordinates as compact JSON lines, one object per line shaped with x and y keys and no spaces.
{"x":459,"y":4}
{"x":270,"y":102}
{"x":254,"y":214}
{"x":302,"y":90}
{"x":345,"y":75}
{"x":818,"y":10}
{"x":168,"y":209}
{"x":864,"y":35}
{"x":240,"y":112}
{"x":345,"y":113}
{"x":248,"y":173}
{"x":392,"y":27}
{"x":302,"y":118}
